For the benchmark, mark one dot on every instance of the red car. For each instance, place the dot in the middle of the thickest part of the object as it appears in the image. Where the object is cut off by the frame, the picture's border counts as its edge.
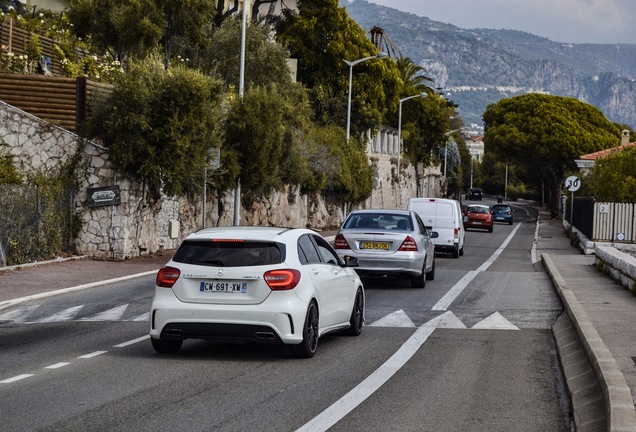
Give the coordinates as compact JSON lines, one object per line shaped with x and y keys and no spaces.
{"x":478,"y":216}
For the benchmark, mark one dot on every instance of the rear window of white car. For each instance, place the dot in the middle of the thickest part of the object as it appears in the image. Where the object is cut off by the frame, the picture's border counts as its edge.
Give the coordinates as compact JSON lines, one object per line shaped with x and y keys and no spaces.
{"x":231,"y":253}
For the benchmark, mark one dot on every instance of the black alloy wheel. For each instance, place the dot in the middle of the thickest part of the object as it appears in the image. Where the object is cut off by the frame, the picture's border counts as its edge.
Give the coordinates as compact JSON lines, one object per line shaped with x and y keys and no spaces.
{"x":307,"y":348}
{"x":419,"y":281}
{"x":431,"y":275}
{"x":357,"y":315}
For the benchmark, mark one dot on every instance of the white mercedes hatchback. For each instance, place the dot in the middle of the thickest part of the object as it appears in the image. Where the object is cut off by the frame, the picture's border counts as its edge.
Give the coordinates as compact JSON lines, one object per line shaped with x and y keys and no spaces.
{"x":263,"y":284}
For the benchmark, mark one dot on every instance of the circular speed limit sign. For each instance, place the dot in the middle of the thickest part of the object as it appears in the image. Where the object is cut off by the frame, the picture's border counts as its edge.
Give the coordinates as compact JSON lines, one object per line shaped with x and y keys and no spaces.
{"x":572,"y":183}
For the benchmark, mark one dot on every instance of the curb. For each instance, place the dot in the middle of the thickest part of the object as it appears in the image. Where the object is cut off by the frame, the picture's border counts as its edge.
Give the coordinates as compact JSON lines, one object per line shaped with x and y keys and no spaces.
{"x":39,"y":263}
{"x":621,"y":415}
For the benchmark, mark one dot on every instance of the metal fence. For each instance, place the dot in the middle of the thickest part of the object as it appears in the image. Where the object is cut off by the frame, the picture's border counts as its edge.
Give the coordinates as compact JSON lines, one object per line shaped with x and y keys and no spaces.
{"x":36,"y":223}
{"x":614,"y":222}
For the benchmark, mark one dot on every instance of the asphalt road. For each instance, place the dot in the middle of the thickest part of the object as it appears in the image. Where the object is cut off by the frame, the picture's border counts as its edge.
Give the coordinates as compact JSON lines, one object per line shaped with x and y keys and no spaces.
{"x":471,"y":351}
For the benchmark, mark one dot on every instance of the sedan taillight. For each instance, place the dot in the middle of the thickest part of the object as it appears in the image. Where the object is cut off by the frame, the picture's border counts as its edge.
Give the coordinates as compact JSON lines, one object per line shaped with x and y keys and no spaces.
{"x":408,"y":245}
{"x":341,"y":243}
{"x":281,"y":280}
{"x":167,"y":276}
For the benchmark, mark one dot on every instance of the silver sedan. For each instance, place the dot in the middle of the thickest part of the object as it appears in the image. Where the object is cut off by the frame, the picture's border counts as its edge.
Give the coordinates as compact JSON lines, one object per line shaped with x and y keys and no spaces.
{"x":389,"y":243}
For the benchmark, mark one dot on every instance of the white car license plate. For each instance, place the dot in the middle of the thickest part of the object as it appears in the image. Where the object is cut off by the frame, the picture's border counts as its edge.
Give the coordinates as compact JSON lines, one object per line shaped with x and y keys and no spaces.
{"x":477,"y":223}
{"x":227,"y":287}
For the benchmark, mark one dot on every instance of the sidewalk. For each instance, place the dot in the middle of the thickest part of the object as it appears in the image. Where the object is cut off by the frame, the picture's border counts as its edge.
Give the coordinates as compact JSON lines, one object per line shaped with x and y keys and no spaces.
{"x":600,"y":313}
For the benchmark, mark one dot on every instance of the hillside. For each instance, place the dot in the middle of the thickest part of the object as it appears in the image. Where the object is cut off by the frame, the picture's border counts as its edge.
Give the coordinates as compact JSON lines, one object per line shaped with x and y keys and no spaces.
{"x":480,"y":66}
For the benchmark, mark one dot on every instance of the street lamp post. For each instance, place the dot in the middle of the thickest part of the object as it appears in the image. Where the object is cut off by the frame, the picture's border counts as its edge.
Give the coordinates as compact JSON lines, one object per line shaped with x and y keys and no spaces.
{"x":237,"y":190}
{"x":351,"y":65}
{"x":506,"y":182}
{"x":399,"y":149}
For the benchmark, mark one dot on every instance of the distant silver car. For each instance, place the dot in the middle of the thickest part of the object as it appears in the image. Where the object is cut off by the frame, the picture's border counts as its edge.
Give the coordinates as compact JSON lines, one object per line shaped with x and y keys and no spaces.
{"x":389,"y":243}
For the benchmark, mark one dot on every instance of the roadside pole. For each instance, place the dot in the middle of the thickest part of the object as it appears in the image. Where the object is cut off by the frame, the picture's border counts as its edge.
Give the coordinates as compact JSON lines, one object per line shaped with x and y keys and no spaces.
{"x":572,"y":184}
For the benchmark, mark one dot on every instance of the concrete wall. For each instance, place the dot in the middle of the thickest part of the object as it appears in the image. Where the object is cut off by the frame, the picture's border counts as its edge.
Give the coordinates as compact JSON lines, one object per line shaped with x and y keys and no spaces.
{"x":137,"y":226}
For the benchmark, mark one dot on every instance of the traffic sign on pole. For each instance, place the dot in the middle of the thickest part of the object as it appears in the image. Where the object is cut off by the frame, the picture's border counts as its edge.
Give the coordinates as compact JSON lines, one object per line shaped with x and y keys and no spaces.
{"x":572,"y":183}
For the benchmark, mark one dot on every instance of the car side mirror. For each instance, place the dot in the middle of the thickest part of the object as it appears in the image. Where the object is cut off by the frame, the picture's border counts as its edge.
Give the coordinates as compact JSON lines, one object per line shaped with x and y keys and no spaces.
{"x":351,"y":261}
{"x":434,"y":234}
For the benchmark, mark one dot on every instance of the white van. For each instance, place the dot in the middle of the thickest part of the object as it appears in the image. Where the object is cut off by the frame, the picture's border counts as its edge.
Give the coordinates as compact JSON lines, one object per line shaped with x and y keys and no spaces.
{"x":443,"y":216}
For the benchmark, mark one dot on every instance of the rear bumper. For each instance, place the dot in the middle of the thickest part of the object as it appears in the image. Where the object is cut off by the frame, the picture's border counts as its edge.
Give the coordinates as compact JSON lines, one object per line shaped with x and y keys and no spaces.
{"x":478,"y":226}
{"x":447,"y":248}
{"x":407,"y":265}
{"x":277,"y":319}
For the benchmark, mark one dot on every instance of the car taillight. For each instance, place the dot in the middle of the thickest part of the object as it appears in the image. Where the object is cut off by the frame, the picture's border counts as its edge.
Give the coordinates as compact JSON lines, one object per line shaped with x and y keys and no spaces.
{"x":167,"y":276}
{"x":341,"y":243}
{"x":281,"y":280}
{"x":408,"y":245}
{"x":456,"y":233}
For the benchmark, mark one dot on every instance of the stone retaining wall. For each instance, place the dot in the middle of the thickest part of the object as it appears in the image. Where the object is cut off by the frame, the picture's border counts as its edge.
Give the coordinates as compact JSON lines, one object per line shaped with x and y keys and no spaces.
{"x":137,"y":226}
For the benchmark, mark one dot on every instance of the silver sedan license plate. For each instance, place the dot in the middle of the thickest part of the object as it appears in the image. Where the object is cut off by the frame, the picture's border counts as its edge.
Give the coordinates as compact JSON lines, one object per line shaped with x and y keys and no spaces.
{"x":374,"y":245}
{"x":222,"y":286}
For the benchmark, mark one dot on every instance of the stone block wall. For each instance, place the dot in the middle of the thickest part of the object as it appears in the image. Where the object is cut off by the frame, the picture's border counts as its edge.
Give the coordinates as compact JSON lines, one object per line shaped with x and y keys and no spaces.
{"x":137,"y":226}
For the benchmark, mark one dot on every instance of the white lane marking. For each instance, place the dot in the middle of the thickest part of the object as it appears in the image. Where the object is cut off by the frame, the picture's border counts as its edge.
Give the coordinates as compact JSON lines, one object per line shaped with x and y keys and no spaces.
{"x":15,"y":378}
{"x":455,"y":291}
{"x":445,"y":320}
{"x":93,"y":354}
{"x":496,"y":321}
{"x":445,"y":302}
{"x":394,"y":319}
{"x":113,"y":314}
{"x":57,"y":365}
{"x":8,"y":303}
{"x":533,"y":251}
{"x":142,"y":317}
{"x":18,"y":315}
{"x":366,"y":388}
{"x":130,"y":342}
{"x":64,"y":315}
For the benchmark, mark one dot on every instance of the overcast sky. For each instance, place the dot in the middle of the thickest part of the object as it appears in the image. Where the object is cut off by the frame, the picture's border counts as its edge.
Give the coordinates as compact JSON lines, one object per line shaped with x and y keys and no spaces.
{"x":576,"y":21}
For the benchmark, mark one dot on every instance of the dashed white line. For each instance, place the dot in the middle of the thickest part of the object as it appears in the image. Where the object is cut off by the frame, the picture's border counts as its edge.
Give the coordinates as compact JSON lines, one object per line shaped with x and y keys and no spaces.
{"x":16,"y":378}
{"x":93,"y":354}
{"x":57,"y":365}
{"x":130,"y":342}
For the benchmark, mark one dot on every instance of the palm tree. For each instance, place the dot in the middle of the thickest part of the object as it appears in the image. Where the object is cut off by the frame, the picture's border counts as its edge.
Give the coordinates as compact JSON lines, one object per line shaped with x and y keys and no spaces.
{"x":413,"y":76}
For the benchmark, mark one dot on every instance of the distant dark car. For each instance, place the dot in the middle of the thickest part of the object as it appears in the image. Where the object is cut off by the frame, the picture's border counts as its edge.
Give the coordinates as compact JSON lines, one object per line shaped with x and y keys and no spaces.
{"x":502,"y":213}
{"x":478,"y":216}
{"x":474,"y":194}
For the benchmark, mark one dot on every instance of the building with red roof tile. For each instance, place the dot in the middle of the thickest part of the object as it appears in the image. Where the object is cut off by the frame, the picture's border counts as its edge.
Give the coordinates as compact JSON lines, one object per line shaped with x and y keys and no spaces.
{"x":587,"y":161}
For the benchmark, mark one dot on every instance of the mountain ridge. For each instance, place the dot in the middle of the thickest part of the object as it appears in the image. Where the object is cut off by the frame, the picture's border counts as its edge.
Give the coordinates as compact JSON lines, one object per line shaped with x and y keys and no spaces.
{"x":476,"y":67}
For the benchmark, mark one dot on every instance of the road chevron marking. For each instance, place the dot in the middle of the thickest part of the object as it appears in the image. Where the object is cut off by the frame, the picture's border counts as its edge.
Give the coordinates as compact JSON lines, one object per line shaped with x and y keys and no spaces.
{"x":447,"y":320}
{"x":394,"y":319}
{"x":496,"y":321}
{"x":113,"y":314}
{"x":65,"y":315}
